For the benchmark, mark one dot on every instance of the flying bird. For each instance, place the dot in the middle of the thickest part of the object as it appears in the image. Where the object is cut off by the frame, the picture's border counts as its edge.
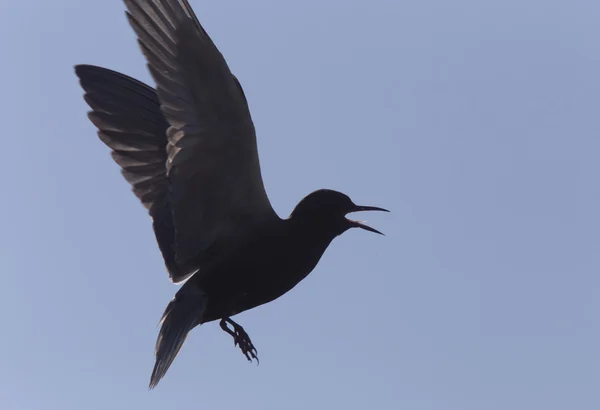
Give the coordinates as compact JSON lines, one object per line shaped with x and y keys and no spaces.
{"x":188,"y":148}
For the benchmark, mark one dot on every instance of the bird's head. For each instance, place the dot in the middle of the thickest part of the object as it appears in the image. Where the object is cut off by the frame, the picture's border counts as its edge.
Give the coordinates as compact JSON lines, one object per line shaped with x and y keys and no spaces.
{"x":327,"y":209}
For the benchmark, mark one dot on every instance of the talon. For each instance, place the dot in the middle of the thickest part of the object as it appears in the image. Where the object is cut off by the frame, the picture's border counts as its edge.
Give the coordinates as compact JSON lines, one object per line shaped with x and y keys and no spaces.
{"x":240,"y":338}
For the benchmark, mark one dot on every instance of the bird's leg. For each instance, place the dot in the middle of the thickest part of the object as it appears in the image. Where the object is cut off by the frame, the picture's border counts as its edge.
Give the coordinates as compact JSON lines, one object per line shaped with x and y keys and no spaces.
{"x":241,"y":338}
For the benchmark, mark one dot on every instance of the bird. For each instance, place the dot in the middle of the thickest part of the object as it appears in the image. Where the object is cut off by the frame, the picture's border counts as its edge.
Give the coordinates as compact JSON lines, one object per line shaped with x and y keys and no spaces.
{"x":188,"y":149}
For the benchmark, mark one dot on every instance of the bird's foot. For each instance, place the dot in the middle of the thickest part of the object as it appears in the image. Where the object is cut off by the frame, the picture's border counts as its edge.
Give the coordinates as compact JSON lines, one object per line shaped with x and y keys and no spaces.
{"x":240,"y":338}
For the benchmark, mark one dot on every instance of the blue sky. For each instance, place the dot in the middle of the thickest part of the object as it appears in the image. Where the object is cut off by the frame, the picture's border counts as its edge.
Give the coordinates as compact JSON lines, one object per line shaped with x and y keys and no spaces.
{"x":477,"y":123}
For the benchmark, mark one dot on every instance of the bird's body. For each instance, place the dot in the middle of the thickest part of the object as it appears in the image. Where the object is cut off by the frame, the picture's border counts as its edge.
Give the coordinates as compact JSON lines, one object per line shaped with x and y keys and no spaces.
{"x":188,"y":148}
{"x":262,"y":269}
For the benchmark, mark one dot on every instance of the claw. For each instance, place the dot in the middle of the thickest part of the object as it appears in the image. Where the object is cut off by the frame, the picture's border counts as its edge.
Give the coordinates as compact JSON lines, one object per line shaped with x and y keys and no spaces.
{"x":241,"y":339}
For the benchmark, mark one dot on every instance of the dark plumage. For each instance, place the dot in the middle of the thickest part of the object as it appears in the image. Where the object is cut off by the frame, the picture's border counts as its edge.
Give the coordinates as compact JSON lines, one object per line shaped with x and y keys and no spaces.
{"x":189,"y":151}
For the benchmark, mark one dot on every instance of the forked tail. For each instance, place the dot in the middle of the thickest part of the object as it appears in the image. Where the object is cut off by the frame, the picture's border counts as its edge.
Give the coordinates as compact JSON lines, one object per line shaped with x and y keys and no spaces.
{"x":182,"y":314}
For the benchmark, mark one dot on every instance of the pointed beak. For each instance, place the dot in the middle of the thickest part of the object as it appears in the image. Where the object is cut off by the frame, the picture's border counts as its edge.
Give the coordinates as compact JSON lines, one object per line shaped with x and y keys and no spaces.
{"x":361,"y":224}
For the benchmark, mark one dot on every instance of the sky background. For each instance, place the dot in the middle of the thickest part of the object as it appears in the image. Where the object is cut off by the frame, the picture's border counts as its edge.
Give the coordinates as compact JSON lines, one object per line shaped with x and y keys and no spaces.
{"x":476,"y":122}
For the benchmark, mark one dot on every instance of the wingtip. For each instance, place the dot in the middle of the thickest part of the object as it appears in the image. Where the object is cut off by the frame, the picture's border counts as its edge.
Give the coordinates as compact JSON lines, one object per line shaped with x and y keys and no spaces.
{"x":77,"y":68}
{"x":86,"y":69}
{"x":81,"y":67}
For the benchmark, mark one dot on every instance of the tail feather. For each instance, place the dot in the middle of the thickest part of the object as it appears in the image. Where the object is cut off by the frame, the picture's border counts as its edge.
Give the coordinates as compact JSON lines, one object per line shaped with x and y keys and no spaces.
{"x":182,"y":314}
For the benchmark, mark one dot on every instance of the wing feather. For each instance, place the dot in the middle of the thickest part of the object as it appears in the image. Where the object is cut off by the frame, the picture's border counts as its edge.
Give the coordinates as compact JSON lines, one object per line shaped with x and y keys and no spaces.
{"x":215,"y":186}
{"x":128,"y":117}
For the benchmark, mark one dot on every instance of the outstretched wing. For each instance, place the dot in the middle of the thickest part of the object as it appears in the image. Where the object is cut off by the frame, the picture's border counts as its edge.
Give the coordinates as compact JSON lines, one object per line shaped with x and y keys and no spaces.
{"x":128,"y":117}
{"x":216,"y":191}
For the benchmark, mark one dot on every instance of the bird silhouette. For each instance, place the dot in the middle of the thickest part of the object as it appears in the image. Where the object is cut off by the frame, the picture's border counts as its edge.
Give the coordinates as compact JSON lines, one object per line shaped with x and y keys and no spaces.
{"x":189,"y":151}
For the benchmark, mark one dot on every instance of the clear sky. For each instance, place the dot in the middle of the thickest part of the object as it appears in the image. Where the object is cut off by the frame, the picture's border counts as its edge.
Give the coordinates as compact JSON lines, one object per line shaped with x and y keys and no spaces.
{"x":476,"y":122}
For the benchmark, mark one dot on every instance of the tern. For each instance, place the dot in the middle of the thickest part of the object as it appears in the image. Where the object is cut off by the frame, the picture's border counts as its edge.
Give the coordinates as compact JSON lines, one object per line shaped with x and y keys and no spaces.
{"x":188,"y":148}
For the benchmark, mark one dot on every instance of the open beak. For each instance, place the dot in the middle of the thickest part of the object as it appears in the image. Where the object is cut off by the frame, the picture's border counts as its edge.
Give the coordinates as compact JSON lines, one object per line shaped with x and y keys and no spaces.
{"x":361,"y":224}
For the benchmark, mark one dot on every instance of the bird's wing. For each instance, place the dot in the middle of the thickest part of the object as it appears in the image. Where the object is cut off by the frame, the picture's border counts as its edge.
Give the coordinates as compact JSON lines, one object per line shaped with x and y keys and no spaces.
{"x":128,"y":117}
{"x":215,"y":185}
